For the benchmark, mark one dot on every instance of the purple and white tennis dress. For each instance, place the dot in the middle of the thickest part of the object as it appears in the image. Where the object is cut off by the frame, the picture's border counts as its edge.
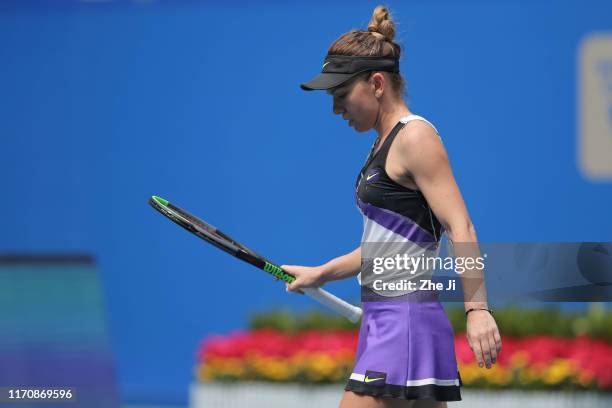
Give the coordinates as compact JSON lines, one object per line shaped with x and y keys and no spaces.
{"x":406,"y":343}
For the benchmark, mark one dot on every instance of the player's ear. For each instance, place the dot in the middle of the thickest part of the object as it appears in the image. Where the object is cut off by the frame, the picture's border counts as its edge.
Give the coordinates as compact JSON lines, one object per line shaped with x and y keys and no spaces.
{"x":377,"y":81}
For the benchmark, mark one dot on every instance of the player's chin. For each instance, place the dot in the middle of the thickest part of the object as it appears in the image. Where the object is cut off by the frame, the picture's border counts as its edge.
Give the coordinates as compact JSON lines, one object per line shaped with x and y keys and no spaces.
{"x":360,"y":128}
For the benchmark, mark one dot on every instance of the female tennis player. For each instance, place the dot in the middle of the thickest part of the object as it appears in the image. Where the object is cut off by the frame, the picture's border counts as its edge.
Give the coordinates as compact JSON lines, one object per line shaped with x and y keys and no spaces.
{"x":408,"y":197}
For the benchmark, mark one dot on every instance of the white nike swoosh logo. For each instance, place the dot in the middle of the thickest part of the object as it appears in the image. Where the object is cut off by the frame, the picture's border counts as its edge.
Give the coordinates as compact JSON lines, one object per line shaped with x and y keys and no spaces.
{"x":371,"y":175}
{"x":323,"y":67}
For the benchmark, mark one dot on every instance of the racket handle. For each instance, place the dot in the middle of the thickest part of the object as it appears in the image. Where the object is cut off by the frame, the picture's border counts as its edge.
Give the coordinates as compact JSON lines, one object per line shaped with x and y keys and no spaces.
{"x":353,"y":313}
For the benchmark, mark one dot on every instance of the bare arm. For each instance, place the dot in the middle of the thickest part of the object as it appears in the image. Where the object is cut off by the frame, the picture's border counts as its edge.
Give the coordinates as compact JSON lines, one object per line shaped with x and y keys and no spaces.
{"x":419,"y":155}
{"x":338,"y":268}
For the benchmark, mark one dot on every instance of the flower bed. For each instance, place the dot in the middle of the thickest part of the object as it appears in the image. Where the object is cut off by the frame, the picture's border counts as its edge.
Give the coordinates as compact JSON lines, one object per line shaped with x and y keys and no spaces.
{"x":540,"y":362}
{"x":270,"y":355}
{"x":300,"y":353}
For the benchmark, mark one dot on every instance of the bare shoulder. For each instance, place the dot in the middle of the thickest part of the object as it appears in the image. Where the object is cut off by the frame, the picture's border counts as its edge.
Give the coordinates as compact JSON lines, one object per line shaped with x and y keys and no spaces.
{"x":419,"y":140}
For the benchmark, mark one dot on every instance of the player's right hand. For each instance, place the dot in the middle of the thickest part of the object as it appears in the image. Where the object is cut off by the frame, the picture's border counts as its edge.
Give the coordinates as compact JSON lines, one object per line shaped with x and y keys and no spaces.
{"x":305,"y":277}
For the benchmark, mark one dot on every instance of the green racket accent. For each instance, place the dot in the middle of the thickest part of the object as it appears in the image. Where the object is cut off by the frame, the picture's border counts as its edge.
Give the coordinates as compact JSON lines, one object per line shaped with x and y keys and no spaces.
{"x":161,"y":201}
{"x":278,"y":272}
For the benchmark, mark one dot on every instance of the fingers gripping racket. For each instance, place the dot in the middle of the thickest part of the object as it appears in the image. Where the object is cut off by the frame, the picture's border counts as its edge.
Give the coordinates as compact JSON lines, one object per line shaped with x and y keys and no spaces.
{"x":217,"y":238}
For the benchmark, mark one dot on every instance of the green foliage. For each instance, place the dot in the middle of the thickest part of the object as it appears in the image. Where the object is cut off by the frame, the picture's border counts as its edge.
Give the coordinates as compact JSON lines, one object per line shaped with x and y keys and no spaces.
{"x":285,"y":321}
{"x":596,"y":322}
{"x":523,"y":322}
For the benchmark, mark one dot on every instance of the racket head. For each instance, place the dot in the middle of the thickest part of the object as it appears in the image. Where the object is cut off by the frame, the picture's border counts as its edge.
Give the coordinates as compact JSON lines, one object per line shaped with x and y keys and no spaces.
{"x":198,"y":227}
{"x":224,"y":242}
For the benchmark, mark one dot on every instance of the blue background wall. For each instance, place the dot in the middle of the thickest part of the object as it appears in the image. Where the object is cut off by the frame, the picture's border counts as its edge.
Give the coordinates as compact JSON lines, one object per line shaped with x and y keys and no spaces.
{"x":103,"y":105}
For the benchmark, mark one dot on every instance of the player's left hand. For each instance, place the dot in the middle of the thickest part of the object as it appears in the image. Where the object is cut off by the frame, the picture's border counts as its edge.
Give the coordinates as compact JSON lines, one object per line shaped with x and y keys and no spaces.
{"x":483,"y":337}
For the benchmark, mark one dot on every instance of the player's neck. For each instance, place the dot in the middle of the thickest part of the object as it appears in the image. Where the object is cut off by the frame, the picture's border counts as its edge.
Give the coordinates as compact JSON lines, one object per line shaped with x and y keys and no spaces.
{"x":388,"y":119}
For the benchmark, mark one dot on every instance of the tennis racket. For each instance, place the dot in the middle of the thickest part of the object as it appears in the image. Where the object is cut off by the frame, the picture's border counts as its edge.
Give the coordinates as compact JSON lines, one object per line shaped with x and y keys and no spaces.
{"x":222,"y":241}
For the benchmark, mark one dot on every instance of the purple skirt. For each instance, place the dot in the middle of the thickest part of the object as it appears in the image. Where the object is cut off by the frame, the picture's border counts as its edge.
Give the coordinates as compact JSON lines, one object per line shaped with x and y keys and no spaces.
{"x":406,"y":349}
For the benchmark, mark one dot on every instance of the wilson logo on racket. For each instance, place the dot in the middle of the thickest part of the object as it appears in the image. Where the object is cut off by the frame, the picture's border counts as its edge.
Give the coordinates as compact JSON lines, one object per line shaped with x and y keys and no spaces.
{"x":278,"y":272}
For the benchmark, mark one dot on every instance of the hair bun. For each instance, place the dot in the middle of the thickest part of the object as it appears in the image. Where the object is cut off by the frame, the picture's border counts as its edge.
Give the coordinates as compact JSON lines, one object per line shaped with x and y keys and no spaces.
{"x":382,"y":23}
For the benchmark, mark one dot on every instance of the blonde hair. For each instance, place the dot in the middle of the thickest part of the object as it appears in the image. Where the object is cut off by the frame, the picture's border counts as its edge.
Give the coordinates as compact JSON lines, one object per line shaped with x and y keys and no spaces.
{"x":377,"y":41}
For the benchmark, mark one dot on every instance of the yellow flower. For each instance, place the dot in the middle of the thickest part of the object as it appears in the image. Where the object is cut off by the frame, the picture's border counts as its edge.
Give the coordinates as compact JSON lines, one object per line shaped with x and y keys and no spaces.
{"x":559,"y":370}
{"x":530,"y":374}
{"x":320,"y":366}
{"x":271,"y":368}
{"x":470,"y":373}
{"x":498,"y":375}
{"x":221,"y":367}
{"x":204,"y":372}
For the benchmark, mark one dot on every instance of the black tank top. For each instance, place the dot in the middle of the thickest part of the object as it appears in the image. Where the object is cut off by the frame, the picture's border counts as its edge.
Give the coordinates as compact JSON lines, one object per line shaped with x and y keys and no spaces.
{"x":396,"y":210}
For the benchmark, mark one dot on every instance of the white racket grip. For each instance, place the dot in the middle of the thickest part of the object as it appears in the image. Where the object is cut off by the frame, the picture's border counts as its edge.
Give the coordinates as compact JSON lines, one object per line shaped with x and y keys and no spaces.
{"x":353,"y":313}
